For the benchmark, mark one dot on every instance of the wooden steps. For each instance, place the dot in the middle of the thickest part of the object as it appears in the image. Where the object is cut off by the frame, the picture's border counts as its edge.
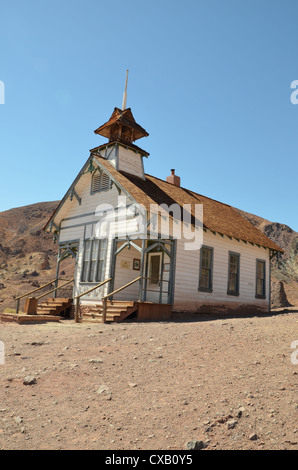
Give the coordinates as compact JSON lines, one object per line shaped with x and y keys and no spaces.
{"x":25,"y":318}
{"x":117,"y":311}
{"x":53,"y":307}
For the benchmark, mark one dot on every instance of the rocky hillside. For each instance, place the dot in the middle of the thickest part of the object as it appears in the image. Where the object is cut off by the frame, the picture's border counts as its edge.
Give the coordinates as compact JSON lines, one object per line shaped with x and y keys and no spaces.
{"x":284,"y":266}
{"x":28,"y":255}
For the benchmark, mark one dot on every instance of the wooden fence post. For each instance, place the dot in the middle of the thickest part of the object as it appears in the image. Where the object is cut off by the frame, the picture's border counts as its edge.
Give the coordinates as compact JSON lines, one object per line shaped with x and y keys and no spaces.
{"x":104,"y":310}
{"x":77,"y":309}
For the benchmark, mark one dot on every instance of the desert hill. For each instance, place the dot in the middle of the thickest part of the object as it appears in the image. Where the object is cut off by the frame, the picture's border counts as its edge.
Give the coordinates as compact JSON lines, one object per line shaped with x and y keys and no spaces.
{"x":28,"y":255}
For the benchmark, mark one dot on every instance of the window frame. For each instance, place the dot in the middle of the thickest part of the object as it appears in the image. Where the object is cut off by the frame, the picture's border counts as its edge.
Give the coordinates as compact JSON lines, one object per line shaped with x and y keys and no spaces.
{"x":102,"y":245}
{"x":235,"y":292}
{"x":210,"y":288}
{"x":263,"y":295}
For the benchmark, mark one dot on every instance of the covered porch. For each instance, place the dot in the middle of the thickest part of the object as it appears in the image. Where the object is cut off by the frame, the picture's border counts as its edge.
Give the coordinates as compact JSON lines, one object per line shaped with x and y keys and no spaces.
{"x":139,"y":283}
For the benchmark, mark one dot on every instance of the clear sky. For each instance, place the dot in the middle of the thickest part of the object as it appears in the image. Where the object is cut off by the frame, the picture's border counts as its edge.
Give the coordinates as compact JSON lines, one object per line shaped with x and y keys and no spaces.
{"x":208,"y":79}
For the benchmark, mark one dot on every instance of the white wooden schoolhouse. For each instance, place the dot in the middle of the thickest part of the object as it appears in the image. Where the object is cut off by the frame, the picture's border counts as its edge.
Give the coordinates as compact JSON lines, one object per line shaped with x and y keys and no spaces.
{"x":122,"y":272}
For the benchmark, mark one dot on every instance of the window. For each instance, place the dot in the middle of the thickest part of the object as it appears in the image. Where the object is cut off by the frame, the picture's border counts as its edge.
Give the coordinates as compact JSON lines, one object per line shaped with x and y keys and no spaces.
{"x":233,"y":275}
{"x":100,"y":182}
{"x":206,"y":265}
{"x":154,"y":267}
{"x":260,"y":279}
{"x":93,"y":261}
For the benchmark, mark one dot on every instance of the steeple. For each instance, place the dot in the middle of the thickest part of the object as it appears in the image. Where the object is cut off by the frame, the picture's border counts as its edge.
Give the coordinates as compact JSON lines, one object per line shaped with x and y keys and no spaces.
{"x":122,"y":130}
{"x":121,"y":127}
{"x":125,"y":93}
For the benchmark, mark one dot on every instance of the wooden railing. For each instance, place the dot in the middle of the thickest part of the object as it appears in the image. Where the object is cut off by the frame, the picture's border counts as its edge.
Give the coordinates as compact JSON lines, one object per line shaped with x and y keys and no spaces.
{"x":78,"y":297}
{"x":105,"y":298}
{"x":39,"y":288}
{"x":55,"y":290}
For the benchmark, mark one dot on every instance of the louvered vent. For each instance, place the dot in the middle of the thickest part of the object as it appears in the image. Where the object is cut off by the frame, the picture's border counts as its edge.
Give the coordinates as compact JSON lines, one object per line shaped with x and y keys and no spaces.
{"x":100,"y":182}
{"x":104,"y":182}
{"x":96,"y":182}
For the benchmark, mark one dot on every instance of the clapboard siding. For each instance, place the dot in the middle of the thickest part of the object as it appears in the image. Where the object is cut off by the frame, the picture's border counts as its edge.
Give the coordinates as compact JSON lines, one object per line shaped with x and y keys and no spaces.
{"x":78,"y":222}
{"x":188,"y":296}
{"x":126,"y":274}
{"x":130,"y":162}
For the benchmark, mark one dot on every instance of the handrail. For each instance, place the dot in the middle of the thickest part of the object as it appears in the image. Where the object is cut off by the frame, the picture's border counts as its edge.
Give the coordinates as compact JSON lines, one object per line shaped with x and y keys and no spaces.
{"x":53,"y":290}
{"x":92,"y":288}
{"x":105,"y":297}
{"x":35,"y":290}
{"x":121,"y":288}
{"x":77,"y":297}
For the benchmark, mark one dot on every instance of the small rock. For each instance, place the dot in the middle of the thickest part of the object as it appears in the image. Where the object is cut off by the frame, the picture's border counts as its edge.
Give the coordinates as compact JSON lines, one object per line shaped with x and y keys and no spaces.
{"x":132,"y":385}
{"x":29,"y":380}
{"x":253,"y":437}
{"x":231,"y":423}
{"x":195,"y":445}
{"x":102,"y":389}
{"x":18,"y":420}
{"x":96,"y":361}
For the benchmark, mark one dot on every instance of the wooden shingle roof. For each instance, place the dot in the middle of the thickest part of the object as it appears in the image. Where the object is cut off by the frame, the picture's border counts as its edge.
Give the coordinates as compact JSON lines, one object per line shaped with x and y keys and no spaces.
{"x":218,"y":217}
{"x":124,"y":117}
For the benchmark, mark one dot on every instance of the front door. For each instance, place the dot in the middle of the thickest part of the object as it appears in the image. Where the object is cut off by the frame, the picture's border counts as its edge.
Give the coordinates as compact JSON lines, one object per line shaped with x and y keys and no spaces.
{"x":157,"y":276}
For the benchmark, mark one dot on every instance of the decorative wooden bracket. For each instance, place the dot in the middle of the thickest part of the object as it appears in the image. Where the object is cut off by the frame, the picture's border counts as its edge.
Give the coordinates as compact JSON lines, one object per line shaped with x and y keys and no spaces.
{"x":74,"y":193}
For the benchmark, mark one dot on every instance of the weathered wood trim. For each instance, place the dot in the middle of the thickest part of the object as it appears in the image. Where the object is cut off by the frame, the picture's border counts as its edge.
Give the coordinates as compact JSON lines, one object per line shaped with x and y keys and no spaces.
{"x":74,"y":193}
{"x":68,"y":192}
{"x":113,"y":263}
{"x":172,"y":272}
{"x":143,"y":254}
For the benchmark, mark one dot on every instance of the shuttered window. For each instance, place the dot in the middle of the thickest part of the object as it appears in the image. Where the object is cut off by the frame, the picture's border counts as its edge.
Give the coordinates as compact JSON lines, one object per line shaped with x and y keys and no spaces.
{"x":93,"y":261}
{"x":100,"y":181}
{"x":260,"y":279}
{"x":206,"y":267}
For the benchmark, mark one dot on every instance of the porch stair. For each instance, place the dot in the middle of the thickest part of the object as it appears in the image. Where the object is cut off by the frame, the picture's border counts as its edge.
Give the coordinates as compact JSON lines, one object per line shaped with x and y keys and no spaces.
{"x":55,"y":307}
{"x":117,"y":311}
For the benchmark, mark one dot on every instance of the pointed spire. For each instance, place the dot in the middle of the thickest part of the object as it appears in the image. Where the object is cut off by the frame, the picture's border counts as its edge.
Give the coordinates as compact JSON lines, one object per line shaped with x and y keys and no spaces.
{"x":125,"y":93}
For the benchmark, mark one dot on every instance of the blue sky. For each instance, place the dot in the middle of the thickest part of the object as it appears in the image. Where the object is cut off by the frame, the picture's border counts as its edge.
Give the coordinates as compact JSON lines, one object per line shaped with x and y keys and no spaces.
{"x":209,"y":80}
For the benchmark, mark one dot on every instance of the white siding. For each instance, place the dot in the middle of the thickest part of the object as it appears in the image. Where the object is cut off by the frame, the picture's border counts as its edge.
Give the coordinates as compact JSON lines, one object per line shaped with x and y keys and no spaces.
{"x":78,"y":222}
{"x":187,"y":295}
{"x":131,"y":162}
{"x":125,"y":273}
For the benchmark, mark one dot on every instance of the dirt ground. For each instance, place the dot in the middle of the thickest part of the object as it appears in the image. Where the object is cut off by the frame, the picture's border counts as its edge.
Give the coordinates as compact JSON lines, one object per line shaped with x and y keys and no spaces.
{"x":231,"y":383}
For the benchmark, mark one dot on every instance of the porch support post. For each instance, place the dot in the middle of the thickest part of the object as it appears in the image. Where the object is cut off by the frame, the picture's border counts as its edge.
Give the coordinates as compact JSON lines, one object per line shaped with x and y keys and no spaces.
{"x":171,"y":292}
{"x":161,"y":277}
{"x":113,"y":260}
{"x":141,"y":284}
{"x":57,"y":272}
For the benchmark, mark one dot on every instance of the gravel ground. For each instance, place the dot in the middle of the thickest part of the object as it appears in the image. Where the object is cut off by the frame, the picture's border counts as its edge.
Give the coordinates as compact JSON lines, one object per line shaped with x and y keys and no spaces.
{"x":231,"y":383}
